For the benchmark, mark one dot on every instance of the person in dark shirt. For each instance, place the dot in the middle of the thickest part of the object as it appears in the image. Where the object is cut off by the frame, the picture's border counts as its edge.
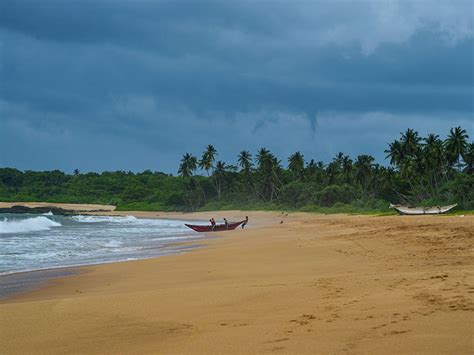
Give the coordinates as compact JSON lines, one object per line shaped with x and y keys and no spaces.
{"x":226,"y":223}
{"x":246,"y":221}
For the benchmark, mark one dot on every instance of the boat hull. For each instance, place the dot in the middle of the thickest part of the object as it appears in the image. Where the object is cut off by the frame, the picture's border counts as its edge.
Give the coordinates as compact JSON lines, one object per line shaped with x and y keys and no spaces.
{"x":419,"y":211}
{"x":217,"y":228}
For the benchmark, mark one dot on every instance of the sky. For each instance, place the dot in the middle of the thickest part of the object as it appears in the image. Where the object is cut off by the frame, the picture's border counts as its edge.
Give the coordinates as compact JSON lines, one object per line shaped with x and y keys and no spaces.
{"x":133,"y":85}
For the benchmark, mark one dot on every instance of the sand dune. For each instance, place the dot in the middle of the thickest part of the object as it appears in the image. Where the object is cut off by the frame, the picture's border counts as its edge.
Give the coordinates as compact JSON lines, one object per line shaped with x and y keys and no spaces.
{"x":314,"y":284}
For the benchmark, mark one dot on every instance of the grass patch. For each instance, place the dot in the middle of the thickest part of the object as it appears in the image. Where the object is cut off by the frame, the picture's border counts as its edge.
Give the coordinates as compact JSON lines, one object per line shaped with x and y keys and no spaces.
{"x":228,"y":206}
{"x":145,"y":206}
{"x":347,"y":209}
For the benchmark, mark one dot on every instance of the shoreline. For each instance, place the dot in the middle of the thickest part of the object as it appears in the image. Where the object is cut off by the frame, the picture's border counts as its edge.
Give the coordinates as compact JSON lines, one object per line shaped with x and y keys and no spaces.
{"x":22,"y":282}
{"x":315,"y":283}
{"x":51,"y":275}
{"x":13,"y":283}
{"x":36,"y":279}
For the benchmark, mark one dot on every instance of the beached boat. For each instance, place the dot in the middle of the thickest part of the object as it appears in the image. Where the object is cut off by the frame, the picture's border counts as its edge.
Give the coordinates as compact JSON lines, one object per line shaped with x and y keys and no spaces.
{"x":404,"y":210}
{"x":217,"y":228}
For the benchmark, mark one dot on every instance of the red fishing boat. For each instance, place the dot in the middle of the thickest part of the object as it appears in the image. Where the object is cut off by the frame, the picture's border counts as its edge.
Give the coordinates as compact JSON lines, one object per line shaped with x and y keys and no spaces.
{"x":217,"y":227}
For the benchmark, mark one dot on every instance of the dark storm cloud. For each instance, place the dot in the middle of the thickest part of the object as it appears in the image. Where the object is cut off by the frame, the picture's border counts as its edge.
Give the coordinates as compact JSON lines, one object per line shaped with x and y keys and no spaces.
{"x":132,"y":85}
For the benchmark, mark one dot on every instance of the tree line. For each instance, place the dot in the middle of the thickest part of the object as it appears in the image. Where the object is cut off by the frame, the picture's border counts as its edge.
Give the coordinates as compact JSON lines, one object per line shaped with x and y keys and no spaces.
{"x":422,"y":170}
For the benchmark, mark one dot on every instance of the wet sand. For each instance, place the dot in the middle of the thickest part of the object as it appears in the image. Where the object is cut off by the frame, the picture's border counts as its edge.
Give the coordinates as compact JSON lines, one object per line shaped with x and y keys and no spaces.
{"x":22,"y":282}
{"x":314,"y":284}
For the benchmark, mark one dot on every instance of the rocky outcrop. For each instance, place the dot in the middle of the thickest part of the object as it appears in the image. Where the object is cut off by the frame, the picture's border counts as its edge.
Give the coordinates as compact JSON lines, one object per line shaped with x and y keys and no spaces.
{"x":43,"y":209}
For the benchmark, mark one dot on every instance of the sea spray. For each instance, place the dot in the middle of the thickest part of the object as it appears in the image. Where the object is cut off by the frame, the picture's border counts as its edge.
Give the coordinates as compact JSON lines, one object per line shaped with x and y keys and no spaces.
{"x":27,"y":225}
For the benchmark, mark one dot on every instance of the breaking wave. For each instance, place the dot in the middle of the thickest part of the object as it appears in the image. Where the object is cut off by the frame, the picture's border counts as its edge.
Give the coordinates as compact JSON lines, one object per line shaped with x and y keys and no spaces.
{"x":27,"y":225}
{"x":104,"y":219}
{"x":130,"y":221}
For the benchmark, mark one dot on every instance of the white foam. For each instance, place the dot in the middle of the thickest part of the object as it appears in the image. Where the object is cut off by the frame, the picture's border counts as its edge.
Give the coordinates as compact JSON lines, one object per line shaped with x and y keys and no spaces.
{"x":27,"y":225}
{"x":112,"y":244}
{"x":31,"y":242}
{"x":48,"y":214}
{"x":131,"y":220}
{"x":104,"y":219}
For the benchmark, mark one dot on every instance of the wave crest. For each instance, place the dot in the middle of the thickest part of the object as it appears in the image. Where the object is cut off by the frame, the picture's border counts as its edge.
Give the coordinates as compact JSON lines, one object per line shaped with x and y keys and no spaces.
{"x":104,"y":219}
{"x":131,"y":221}
{"x":27,"y":225}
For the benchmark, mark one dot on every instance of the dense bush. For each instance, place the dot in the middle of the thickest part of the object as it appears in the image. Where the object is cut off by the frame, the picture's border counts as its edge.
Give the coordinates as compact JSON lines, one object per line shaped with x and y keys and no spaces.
{"x":334,"y":193}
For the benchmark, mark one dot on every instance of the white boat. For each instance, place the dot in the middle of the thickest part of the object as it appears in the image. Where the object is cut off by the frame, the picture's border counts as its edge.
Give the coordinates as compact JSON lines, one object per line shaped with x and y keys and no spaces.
{"x":403,"y":210}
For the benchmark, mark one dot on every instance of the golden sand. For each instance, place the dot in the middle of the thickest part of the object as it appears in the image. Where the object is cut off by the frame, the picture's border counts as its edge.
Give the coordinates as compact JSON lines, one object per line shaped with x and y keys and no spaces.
{"x":314,"y":284}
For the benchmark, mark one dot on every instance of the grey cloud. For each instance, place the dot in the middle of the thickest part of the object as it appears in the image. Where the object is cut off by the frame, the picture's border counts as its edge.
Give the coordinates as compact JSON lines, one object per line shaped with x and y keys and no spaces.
{"x":368,"y":23}
{"x":161,"y":78}
{"x":158,"y":144}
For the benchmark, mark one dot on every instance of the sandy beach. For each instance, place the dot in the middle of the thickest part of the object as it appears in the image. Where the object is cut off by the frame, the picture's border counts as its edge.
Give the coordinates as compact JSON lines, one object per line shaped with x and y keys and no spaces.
{"x":312,"y":284}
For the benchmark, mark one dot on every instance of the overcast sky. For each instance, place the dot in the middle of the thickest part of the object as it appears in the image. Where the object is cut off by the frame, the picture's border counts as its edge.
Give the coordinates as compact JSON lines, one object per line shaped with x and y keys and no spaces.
{"x":132,"y":85}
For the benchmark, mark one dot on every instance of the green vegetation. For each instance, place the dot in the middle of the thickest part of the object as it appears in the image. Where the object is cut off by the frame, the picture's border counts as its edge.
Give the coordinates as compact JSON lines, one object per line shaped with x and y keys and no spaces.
{"x":422,"y":171}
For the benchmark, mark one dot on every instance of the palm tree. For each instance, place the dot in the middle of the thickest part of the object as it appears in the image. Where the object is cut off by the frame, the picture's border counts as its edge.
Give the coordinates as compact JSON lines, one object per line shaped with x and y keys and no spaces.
{"x":340,"y":168}
{"x":395,"y":153}
{"x":318,"y":172}
{"x":406,"y":155}
{"x":311,"y":170}
{"x":296,"y":165}
{"x":456,"y":145}
{"x":469,"y":159}
{"x":268,"y":170}
{"x":335,"y":168}
{"x":332,"y":171}
{"x":347,"y":169}
{"x":208,"y":157}
{"x":433,"y":160}
{"x":338,"y":159}
{"x":219,"y":174}
{"x":262,"y":157}
{"x":431,"y":140}
{"x":434,"y":151}
{"x":410,"y":143}
{"x":245,"y":161}
{"x":314,"y":171}
{"x":364,"y":165}
{"x":187,"y":166}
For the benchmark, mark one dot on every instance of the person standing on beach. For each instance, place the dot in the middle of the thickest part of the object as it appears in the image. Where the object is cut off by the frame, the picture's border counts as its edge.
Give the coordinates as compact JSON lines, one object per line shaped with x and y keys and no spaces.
{"x":246,"y":221}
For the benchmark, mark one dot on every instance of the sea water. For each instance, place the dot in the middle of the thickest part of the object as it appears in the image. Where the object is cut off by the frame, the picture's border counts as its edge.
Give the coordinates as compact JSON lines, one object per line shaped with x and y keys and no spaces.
{"x":36,"y":242}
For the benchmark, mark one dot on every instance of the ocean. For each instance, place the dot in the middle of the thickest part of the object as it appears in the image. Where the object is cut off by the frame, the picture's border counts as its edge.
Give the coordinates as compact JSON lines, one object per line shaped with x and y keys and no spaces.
{"x":38,"y":242}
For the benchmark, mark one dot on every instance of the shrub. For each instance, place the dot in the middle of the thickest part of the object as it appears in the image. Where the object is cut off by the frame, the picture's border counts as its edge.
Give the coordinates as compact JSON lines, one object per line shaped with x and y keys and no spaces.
{"x":334,"y":193}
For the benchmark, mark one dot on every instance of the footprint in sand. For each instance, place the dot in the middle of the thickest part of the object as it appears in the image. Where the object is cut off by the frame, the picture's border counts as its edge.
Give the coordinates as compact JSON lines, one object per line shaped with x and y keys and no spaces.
{"x":397,"y":332}
{"x":277,"y":340}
